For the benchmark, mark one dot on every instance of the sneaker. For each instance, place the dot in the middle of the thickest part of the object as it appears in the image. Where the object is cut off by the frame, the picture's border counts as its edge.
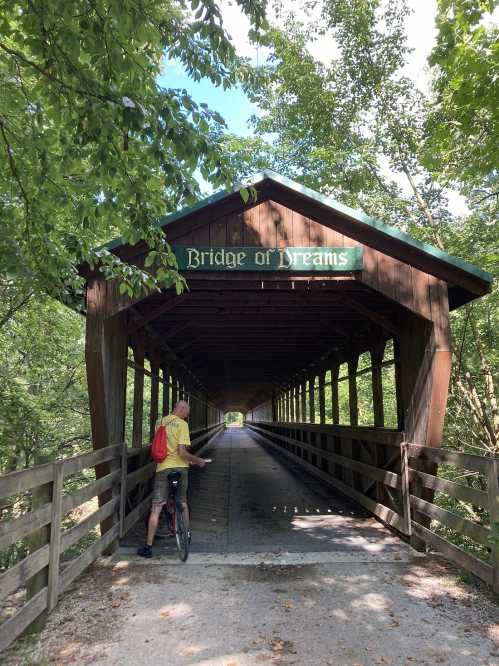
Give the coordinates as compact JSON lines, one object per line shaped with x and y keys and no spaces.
{"x":189,"y":536}
{"x":145,"y":551}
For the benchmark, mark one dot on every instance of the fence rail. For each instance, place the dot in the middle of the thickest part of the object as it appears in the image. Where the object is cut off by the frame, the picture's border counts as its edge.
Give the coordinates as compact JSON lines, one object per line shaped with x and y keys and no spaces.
{"x":402,"y":496}
{"x":126,"y":489}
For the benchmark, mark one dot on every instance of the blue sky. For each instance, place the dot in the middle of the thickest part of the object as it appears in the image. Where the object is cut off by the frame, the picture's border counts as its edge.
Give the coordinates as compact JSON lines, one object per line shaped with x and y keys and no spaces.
{"x":232,"y":104}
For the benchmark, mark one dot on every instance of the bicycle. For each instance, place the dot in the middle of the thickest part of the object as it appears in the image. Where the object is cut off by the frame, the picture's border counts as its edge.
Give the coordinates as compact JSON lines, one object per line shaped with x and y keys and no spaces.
{"x":175,"y":517}
{"x":173,"y":511}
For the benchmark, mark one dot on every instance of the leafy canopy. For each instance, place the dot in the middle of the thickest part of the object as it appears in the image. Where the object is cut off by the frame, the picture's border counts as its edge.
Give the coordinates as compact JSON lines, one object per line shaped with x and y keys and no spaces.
{"x":90,"y":145}
{"x":464,"y":125}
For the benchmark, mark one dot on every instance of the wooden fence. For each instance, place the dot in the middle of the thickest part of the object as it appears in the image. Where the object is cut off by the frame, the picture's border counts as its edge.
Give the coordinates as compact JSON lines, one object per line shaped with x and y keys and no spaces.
{"x":355,"y":461}
{"x":124,"y":492}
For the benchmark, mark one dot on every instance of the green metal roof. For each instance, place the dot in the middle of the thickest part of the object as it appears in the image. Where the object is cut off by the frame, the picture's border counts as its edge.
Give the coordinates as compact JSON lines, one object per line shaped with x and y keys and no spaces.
{"x":334,"y":206}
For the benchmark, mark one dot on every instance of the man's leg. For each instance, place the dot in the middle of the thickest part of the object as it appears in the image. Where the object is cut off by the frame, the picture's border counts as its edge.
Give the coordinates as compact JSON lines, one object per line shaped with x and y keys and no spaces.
{"x":153,"y":523}
{"x":185,"y":514}
{"x":158,"y":500}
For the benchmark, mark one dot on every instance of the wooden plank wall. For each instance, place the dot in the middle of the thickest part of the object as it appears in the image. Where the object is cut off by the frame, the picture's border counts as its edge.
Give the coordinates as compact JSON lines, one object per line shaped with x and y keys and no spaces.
{"x":271,"y":224}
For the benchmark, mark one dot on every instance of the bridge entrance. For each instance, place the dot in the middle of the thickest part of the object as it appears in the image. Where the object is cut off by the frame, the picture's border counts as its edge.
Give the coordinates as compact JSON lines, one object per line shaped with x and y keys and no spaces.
{"x":328,"y":330}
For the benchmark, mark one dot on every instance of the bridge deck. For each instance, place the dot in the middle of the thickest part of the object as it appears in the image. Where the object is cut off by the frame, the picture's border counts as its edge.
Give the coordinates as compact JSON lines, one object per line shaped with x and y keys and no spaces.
{"x":249,"y":500}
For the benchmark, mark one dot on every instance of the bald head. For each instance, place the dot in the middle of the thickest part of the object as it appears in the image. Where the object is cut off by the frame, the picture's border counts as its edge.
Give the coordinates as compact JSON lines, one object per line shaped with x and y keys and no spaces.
{"x":181,"y":409}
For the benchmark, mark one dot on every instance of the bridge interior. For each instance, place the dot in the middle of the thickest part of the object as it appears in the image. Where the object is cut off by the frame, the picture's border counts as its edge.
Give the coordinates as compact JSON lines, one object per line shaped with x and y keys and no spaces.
{"x":288,"y":350}
{"x":252,"y":500}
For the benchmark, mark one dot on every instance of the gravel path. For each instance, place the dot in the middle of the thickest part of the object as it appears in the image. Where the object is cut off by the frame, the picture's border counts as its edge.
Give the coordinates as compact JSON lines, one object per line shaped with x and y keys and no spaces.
{"x":341,"y":614}
{"x":282,"y":572}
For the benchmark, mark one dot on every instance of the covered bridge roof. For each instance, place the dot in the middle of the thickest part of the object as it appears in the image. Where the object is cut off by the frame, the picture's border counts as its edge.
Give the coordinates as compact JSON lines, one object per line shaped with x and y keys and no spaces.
{"x":465,"y":281}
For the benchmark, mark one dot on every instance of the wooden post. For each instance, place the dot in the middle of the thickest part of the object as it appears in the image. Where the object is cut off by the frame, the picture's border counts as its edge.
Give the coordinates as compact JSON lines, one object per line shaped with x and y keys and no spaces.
{"x":311,"y":393}
{"x":40,"y":495}
{"x":304,"y":402}
{"x":153,"y":412}
{"x":352,"y":390}
{"x":405,"y":492}
{"x":138,"y":393}
{"x":335,"y":403}
{"x":124,"y":474}
{"x":380,"y":454}
{"x":292,"y":404}
{"x":493,"y":492}
{"x":297,"y":403}
{"x":322,"y":398}
{"x":174,"y":388}
{"x":166,"y":389}
{"x":377,"y":353}
{"x":106,"y":364}
{"x":55,"y":536}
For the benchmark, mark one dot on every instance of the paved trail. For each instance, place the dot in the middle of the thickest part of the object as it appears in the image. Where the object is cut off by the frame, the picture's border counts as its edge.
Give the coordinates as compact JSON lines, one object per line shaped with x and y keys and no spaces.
{"x":282,"y":573}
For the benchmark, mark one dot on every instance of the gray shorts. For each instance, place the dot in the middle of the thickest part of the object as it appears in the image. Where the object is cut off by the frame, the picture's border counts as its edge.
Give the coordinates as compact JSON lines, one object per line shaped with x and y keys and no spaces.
{"x":160,"y":492}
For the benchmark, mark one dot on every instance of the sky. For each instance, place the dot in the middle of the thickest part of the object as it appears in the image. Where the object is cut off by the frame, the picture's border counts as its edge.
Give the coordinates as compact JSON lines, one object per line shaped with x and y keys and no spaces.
{"x":235,"y":107}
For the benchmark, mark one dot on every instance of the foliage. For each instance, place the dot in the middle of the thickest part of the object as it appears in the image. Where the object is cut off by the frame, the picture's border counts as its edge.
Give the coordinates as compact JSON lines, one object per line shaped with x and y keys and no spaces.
{"x":91,"y":147}
{"x":464,"y":124}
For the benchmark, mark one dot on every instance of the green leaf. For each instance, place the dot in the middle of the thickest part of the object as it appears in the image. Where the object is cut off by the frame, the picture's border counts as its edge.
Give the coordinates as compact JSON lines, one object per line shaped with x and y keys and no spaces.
{"x":244,"y":194}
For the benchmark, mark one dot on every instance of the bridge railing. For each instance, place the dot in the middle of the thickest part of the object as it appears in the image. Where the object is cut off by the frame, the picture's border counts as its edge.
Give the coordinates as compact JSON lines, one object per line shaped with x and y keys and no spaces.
{"x":396,"y":481}
{"x":41,"y":489}
{"x":42,"y":496}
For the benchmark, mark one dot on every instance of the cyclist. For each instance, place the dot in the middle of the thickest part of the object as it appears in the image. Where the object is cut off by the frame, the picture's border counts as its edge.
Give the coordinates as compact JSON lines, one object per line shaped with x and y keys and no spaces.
{"x":177,"y":460}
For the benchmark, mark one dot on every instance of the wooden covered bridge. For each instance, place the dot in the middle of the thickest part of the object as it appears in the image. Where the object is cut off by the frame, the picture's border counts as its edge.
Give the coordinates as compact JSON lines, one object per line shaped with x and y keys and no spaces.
{"x":328,"y":330}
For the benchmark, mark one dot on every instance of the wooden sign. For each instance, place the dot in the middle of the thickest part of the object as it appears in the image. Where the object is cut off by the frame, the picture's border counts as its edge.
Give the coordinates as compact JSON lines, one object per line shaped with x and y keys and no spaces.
{"x":285,"y":259}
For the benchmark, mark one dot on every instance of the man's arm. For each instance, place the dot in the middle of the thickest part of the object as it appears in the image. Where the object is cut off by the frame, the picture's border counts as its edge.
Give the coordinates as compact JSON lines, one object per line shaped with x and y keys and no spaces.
{"x":189,"y":458}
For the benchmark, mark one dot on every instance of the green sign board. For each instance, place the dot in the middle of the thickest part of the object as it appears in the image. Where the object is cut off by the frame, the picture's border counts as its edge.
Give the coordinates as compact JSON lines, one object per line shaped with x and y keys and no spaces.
{"x":285,"y":259}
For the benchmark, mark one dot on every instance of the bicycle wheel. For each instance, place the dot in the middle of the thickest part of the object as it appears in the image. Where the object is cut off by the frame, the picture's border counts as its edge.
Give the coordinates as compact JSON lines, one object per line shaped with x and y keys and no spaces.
{"x":181,"y":536}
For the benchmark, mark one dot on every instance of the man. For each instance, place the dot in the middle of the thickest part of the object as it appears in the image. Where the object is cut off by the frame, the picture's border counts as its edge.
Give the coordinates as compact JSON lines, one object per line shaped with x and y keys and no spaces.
{"x":177,"y":460}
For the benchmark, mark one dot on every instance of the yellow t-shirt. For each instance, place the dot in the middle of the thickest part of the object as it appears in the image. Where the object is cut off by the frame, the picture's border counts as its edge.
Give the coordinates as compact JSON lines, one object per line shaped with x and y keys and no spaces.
{"x":177,"y":432}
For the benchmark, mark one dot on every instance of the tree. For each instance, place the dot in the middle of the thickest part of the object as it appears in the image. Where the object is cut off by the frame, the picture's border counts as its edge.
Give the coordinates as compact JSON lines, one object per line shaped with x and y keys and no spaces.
{"x":90,"y":145}
{"x":357,"y":128}
{"x":465,"y":123}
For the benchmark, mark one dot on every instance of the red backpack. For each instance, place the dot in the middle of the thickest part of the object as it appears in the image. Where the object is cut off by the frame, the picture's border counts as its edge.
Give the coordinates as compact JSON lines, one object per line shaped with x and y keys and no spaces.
{"x":159,"y":447}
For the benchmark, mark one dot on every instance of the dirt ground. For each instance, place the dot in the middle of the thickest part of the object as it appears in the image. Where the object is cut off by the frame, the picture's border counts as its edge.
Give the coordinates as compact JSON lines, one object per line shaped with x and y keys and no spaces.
{"x":334,"y":614}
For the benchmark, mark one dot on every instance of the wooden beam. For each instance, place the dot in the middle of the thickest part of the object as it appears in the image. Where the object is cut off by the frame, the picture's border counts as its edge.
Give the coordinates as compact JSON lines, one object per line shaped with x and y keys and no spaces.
{"x":138,"y":392}
{"x":156,"y":312}
{"x":370,"y":314}
{"x":322,"y":399}
{"x":153,"y":412}
{"x":105,"y":359}
{"x":311,"y":393}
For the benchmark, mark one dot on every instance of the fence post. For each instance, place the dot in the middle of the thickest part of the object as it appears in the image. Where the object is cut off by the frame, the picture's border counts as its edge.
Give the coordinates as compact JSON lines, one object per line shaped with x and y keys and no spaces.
{"x":124,"y":472}
{"x":41,"y":495}
{"x":404,"y":487}
{"x":493,"y":492}
{"x":55,"y":535}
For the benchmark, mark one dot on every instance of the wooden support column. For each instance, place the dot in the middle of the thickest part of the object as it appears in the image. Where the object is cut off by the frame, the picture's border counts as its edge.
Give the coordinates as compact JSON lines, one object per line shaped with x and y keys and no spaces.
{"x":349,"y":446}
{"x":380,"y":454}
{"x":335,"y":415}
{"x":165,"y":368}
{"x":304,"y":402}
{"x":322,"y":398}
{"x":424,"y":356}
{"x":311,"y":393}
{"x":292,"y":405}
{"x":352,"y":391}
{"x":153,"y":412}
{"x":105,"y":358}
{"x":377,"y":354}
{"x":297,"y":404}
{"x":174,"y":388}
{"x":335,"y":403}
{"x":138,"y":392}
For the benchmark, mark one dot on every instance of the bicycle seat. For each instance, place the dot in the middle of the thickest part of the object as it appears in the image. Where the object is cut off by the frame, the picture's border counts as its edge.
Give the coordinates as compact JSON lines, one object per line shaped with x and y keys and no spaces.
{"x":174,"y":477}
